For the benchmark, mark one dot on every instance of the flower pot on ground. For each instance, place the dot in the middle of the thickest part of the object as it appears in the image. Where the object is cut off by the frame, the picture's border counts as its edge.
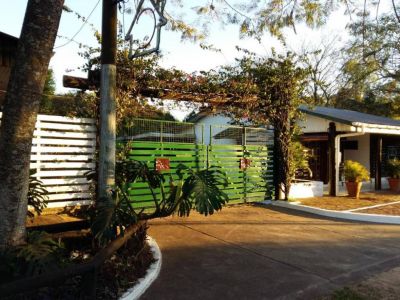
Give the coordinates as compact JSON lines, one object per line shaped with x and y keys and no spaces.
{"x":354,"y":174}
{"x":393,"y":170}
{"x":353,"y":189}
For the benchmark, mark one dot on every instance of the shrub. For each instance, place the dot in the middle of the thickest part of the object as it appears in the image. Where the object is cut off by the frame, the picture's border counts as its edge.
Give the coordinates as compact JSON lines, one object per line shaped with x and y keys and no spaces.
{"x":393,"y":168}
{"x":355,"y":172}
{"x":299,"y":157}
{"x":39,"y":254}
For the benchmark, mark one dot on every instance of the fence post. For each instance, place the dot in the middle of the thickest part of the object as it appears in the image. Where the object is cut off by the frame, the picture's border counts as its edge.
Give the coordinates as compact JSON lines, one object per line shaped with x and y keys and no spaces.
{"x":161,"y":131}
{"x":204,"y":148}
{"x":202,"y":134}
{"x":244,"y":139}
{"x":210,"y":135}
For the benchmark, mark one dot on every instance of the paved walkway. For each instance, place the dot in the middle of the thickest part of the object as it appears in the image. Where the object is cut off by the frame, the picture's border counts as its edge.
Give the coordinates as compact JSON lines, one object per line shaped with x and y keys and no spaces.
{"x":251,"y":252}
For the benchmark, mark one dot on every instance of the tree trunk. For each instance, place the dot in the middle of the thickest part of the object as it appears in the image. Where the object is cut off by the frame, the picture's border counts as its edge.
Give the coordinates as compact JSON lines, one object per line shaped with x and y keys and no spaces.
{"x":21,"y":106}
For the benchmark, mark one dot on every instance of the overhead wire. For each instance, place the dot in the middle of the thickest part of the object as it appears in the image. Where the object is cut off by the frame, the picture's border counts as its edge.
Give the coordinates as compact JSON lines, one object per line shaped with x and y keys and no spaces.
{"x":80,"y":29}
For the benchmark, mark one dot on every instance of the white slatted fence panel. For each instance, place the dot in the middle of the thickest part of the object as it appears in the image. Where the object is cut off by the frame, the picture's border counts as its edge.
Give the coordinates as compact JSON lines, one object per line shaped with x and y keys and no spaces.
{"x":62,"y":152}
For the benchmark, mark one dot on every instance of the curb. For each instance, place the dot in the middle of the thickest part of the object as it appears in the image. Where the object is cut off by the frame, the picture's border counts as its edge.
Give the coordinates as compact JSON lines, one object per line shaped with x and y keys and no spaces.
{"x":152,"y":273}
{"x":346,"y":215}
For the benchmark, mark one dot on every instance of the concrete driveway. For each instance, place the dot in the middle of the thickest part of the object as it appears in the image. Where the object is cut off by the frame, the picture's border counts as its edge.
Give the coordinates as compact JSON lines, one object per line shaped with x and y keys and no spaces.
{"x":254,"y":252}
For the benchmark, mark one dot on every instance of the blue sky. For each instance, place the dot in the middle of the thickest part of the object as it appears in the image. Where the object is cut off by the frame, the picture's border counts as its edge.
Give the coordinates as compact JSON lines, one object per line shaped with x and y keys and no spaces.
{"x":183,"y":55}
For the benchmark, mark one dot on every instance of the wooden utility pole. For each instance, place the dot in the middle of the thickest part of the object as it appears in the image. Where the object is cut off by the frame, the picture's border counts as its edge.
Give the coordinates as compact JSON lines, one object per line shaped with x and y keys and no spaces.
{"x":107,"y":98}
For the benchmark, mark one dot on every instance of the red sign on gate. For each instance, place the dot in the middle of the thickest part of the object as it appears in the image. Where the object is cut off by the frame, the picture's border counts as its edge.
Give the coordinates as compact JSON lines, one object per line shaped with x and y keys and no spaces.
{"x":244,"y":163}
{"x":162,"y":164}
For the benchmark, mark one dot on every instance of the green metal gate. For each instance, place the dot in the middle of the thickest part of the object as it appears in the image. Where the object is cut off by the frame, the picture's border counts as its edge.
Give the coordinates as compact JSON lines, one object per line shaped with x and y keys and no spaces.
{"x":244,"y":154}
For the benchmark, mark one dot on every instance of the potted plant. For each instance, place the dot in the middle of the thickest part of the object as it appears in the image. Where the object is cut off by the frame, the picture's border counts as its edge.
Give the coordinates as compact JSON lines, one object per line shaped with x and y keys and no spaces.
{"x":393,"y":170}
{"x":354,"y":174}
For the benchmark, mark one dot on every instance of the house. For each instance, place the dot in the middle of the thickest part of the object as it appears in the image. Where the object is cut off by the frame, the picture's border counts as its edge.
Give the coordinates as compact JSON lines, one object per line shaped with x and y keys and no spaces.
{"x":332,"y":135}
{"x":213,"y":127}
{"x":205,"y":128}
{"x":335,"y":135}
{"x":8,"y":47}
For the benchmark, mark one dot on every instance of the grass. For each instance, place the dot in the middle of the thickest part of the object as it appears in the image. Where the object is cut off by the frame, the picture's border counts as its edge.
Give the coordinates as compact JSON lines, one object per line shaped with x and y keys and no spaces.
{"x":347,"y":294}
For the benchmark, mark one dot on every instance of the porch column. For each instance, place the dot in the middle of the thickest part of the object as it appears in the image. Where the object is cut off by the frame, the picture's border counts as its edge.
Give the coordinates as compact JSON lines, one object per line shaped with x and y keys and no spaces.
{"x":331,"y":158}
{"x":378,"y":163}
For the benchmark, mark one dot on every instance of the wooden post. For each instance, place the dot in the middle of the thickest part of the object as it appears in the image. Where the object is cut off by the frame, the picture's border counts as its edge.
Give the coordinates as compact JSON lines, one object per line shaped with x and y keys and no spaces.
{"x":107,"y":98}
{"x":332,"y":162}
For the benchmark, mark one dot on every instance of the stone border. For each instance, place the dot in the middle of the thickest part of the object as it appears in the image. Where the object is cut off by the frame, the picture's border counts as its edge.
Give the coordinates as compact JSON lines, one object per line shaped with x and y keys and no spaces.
{"x":152,"y":273}
{"x":346,"y":215}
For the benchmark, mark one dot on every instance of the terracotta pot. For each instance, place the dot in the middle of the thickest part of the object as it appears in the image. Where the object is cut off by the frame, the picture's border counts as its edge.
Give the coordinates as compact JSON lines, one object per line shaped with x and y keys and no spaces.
{"x":394,"y":184}
{"x":353,"y":188}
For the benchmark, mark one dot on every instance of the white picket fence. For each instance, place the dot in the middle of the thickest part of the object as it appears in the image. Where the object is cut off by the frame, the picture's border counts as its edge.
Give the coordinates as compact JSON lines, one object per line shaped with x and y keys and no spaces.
{"x":62,"y":152}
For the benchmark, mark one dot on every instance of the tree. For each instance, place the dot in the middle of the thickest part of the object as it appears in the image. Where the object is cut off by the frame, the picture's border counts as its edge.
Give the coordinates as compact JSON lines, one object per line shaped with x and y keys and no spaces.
{"x":324,"y":63}
{"x":133,"y":76}
{"x":264,"y":91}
{"x":21,"y":106}
{"x":279,"y":83}
{"x":254,"y":18}
{"x":370,"y":71}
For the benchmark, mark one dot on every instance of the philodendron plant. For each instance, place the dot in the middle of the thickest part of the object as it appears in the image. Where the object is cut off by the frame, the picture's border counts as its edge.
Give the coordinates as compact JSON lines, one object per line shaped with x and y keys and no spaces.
{"x":193,"y":189}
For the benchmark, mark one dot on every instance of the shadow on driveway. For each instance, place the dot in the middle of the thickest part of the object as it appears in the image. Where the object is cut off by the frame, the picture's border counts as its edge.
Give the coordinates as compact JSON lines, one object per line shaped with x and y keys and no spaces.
{"x":253,"y":252}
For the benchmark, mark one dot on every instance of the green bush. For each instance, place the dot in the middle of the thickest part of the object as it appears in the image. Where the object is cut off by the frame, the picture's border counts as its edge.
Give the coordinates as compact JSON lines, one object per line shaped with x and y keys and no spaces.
{"x":38,"y":255}
{"x":299,"y":157}
{"x":355,"y":172}
{"x":393,"y":168}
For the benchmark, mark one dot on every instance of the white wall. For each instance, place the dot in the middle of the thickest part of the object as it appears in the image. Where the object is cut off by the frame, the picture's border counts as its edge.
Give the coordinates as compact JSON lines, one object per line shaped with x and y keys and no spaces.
{"x":313,"y":124}
{"x":362,"y":155}
{"x":212,"y":120}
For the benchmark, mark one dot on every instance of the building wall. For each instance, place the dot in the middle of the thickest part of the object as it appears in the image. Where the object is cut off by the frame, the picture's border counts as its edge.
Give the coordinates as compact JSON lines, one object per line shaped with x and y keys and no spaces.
{"x":362,"y":155}
{"x":8,"y":46}
{"x":313,"y":124}
{"x":212,"y":120}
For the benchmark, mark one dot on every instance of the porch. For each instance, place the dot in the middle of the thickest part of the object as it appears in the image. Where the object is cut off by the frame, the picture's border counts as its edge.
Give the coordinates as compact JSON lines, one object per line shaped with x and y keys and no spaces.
{"x":335,"y":135}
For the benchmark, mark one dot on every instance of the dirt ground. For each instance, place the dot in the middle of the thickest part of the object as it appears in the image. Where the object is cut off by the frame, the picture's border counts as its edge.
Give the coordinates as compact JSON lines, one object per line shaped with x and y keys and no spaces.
{"x":391,"y":210}
{"x":341,"y":203}
{"x":44,"y":220}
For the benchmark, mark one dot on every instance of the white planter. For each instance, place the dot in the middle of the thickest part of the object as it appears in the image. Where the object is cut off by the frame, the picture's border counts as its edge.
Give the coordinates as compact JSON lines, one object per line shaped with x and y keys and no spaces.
{"x":306,"y":189}
{"x":144,"y":283}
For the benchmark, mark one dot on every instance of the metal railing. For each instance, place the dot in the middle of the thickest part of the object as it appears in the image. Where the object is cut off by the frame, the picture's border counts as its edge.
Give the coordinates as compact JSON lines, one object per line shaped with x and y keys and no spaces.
{"x":182,"y":132}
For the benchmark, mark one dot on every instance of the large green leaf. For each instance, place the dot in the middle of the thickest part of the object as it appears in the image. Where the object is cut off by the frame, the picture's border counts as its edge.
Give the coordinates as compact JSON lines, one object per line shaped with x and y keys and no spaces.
{"x":202,"y":188}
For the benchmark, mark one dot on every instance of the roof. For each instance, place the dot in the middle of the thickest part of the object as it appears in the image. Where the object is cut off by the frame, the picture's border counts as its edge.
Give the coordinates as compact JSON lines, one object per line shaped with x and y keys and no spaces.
{"x":5,"y":36}
{"x":349,"y":117}
{"x":204,"y":112}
